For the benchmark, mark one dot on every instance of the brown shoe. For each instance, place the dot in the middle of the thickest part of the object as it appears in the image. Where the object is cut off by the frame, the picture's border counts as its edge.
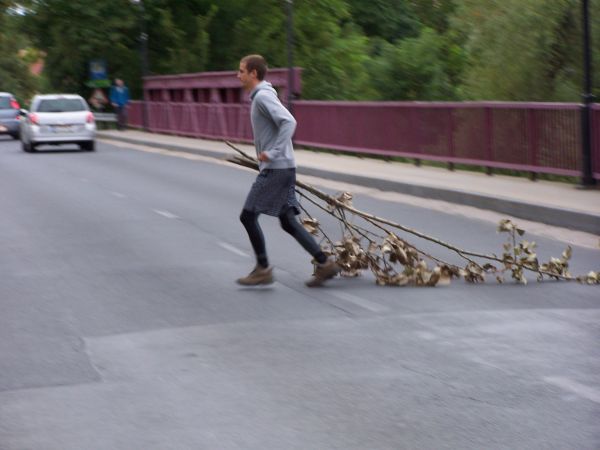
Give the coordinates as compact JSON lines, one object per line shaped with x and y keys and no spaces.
{"x":324,"y":272}
{"x":259,"y":275}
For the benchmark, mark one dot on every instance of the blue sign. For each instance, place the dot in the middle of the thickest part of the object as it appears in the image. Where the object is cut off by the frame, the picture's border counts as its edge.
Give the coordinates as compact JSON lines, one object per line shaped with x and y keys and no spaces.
{"x":98,"y":70}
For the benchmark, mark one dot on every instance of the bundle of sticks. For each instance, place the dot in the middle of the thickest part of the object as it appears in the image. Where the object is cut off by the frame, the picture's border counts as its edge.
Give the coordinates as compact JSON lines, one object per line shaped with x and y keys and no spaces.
{"x":374,"y":244}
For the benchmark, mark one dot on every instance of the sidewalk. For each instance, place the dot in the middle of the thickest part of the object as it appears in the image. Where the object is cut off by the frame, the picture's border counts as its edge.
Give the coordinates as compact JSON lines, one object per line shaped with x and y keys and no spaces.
{"x":553,"y":203}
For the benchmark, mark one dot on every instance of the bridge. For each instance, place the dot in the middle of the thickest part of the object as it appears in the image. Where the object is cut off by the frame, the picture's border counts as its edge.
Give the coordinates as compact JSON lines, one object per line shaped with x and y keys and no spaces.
{"x":530,"y":137}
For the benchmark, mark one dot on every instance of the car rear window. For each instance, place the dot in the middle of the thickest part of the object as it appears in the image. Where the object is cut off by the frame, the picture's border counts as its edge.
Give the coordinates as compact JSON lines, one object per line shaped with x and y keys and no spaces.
{"x":4,"y":102}
{"x":61,"y":105}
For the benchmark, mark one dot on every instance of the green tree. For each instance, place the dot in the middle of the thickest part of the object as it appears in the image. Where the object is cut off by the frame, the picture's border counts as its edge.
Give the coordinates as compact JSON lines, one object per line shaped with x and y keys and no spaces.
{"x":14,"y":70}
{"x":74,"y":32}
{"x":332,"y":51}
{"x":414,"y":69}
{"x":434,"y":14}
{"x":179,"y":37}
{"x":349,"y":49}
{"x":523,"y":49}
{"x":387,"y":19}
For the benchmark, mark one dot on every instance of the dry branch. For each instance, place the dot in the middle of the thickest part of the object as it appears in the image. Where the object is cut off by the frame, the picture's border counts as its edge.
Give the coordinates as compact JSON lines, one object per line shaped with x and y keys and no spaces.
{"x":394,"y":261}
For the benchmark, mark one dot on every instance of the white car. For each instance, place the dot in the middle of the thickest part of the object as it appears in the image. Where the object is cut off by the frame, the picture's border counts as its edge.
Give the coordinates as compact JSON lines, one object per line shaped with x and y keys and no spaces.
{"x":58,"y":119}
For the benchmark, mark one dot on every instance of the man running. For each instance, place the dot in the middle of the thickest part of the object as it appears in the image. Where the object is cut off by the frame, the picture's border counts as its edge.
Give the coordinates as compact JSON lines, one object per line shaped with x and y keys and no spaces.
{"x":273,"y":192}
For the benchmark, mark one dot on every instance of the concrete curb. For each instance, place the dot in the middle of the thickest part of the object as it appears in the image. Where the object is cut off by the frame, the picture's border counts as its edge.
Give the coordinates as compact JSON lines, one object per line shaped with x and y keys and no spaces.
{"x":560,"y":217}
{"x":172,"y":147}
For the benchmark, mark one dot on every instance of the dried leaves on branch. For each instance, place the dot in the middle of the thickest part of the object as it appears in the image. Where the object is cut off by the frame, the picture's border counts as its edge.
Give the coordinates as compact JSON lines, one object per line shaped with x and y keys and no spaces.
{"x":368,"y":242}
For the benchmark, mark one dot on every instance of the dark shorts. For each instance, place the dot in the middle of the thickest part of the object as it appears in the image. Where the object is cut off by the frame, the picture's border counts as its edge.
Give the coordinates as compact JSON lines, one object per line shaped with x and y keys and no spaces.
{"x":273,"y":192}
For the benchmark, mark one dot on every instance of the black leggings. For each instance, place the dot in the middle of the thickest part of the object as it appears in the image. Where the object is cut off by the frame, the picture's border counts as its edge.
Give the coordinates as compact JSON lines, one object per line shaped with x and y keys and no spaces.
{"x":288,"y":222}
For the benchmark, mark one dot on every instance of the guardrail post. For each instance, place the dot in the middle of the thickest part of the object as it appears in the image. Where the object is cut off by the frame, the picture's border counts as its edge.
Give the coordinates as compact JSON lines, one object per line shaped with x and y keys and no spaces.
{"x":451,"y":137}
{"x":587,"y":176}
{"x":533,"y":142}
{"x":489,"y":138}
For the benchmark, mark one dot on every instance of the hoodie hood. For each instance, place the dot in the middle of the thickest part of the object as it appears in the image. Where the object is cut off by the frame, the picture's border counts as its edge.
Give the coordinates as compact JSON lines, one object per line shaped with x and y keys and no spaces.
{"x":263,"y":85}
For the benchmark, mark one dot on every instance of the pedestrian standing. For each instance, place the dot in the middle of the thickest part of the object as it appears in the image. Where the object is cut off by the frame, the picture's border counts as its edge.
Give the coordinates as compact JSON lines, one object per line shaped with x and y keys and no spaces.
{"x":119,"y":97}
{"x":273,"y":192}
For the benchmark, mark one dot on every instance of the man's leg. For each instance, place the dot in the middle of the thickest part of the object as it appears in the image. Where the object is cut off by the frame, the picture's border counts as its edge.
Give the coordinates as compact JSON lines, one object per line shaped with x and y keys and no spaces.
{"x":250,"y":221}
{"x":291,"y":225}
{"x":262,"y":273}
{"x":327,"y":267}
{"x":124,"y":117}
{"x":119,"y":118}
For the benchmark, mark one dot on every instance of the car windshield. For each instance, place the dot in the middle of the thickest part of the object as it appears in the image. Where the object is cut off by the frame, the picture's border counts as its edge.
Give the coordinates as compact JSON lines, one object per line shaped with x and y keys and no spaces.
{"x":4,"y":102}
{"x":61,"y":105}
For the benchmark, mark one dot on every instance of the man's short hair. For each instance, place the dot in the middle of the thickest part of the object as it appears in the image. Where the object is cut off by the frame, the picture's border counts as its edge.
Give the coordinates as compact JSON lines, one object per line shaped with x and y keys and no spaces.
{"x":258,"y":63}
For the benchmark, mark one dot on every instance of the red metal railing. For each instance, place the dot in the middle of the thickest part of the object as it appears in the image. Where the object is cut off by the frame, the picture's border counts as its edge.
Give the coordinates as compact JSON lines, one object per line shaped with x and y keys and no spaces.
{"x":533,"y":137}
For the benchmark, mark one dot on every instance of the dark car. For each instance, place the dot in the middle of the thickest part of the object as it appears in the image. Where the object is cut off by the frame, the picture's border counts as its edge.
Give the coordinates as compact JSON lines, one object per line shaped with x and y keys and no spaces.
{"x":9,"y":115}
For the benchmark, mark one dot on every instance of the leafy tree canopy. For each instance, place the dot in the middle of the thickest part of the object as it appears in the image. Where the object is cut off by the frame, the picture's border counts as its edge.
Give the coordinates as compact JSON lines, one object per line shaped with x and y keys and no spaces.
{"x":349,"y":49}
{"x":14,"y":72}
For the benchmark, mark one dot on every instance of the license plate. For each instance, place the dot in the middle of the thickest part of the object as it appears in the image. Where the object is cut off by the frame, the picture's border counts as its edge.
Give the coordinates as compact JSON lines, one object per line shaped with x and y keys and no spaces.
{"x":62,"y":129}
{"x":3,"y":128}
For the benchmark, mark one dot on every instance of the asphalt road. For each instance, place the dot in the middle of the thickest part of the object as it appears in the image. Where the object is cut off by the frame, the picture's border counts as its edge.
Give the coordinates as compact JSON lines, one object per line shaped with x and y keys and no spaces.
{"x":121,"y":326}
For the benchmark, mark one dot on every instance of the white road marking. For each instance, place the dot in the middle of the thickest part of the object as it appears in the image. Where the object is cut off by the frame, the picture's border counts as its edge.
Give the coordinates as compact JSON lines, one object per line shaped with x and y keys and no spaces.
{"x":166,"y":214}
{"x":426,"y":335}
{"x":358,"y":301}
{"x":118,"y":194}
{"x":233,"y":249}
{"x":581,"y":390}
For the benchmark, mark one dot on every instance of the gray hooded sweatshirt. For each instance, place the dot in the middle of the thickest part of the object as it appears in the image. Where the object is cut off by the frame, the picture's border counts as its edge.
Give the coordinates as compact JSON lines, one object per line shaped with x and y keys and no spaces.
{"x":273,"y":127}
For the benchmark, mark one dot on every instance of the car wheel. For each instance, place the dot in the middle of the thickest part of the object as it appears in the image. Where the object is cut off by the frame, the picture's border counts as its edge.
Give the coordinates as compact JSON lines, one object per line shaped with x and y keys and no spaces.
{"x":90,"y":146}
{"x":26,"y":147}
{"x":16,"y":136}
